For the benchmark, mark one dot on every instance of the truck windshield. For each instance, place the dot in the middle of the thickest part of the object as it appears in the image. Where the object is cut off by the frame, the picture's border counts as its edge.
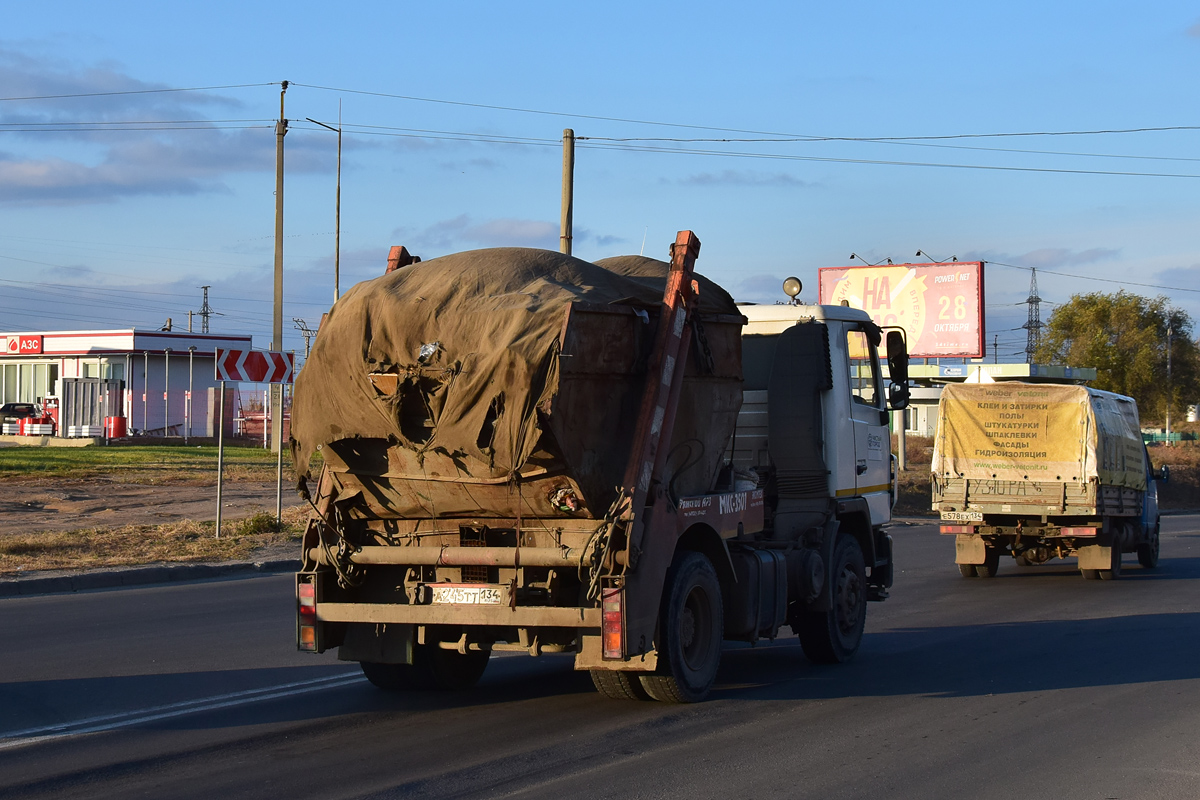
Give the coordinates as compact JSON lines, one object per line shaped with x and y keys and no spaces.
{"x":864,"y":368}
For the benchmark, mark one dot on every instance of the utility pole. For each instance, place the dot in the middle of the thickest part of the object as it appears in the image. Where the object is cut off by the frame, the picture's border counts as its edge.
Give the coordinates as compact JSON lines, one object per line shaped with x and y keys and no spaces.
{"x":277,"y":317}
{"x":305,"y":331}
{"x":568,"y":191}
{"x":337,"y":210}
{"x":1170,"y":397}
{"x":996,"y":349}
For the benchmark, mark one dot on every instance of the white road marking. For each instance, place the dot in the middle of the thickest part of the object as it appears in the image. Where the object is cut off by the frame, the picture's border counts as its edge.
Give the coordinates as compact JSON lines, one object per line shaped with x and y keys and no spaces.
{"x":127,"y":719}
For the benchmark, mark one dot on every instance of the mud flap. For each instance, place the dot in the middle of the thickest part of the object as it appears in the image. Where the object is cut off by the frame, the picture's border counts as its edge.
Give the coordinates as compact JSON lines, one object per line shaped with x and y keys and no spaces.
{"x":377,"y":643}
{"x":969,"y":549}
{"x":1095,"y":556}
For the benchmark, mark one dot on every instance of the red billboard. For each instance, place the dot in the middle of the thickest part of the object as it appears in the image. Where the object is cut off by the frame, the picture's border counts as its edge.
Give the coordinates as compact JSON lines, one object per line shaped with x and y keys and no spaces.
{"x":939,"y":306}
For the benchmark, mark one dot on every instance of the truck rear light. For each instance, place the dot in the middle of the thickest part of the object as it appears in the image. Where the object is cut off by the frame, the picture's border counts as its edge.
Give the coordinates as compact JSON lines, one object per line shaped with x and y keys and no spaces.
{"x":308,"y":638}
{"x":306,"y":594}
{"x":612,"y":622}
{"x":1078,"y":531}
{"x":306,"y":611}
{"x":959,"y":529}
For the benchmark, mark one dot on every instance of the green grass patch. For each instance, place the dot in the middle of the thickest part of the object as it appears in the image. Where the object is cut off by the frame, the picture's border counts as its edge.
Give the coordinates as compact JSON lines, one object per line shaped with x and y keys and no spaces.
{"x":141,"y":463}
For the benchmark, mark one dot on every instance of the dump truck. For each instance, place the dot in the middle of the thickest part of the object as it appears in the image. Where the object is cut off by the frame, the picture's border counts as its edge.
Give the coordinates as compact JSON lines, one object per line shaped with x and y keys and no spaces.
{"x":524,"y":451}
{"x":1042,"y":471}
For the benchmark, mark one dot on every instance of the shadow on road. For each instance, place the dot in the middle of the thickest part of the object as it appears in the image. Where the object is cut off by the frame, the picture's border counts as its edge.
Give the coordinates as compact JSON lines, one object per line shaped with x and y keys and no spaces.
{"x":976,"y":660}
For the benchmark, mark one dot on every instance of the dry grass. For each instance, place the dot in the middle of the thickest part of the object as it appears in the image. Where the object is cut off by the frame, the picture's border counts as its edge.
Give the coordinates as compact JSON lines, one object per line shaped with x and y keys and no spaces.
{"x":1182,"y":491}
{"x":132,"y":545}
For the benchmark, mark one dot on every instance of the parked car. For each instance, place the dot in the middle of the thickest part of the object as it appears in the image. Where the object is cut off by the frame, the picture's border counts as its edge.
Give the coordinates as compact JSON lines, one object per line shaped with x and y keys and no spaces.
{"x":15,"y":411}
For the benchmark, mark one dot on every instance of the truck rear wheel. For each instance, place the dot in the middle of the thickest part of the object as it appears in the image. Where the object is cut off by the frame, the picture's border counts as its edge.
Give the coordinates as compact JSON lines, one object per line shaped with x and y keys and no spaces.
{"x":618,"y":685}
{"x":432,"y":668}
{"x":966,"y":570}
{"x":1147,"y":552}
{"x":990,"y":565}
{"x":690,"y":626}
{"x":833,"y":637}
{"x":1114,"y":571}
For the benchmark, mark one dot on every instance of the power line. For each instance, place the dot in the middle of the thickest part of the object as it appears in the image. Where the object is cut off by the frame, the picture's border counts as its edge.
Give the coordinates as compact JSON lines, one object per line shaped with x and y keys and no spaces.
{"x":137,"y":91}
{"x":634,"y":121}
{"x":1094,"y":278}
{"x":826,"y":159}
{"x":121,"y":130}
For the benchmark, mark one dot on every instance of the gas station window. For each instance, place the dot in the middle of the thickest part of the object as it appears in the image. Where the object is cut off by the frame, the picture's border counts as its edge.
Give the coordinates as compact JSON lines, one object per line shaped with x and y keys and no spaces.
{"x":25,"y":393}
{"x":10,"y":383}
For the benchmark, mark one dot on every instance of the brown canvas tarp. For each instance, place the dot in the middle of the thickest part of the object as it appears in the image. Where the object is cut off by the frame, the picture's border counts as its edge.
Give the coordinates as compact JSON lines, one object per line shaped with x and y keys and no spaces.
{"x":1038,"y":432}
{"x":472,"y":338}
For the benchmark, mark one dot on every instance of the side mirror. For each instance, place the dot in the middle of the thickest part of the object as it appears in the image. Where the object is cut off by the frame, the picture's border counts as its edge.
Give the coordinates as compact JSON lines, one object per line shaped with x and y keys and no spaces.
{"x":1162,"y":474}
{"x":897,"y":358}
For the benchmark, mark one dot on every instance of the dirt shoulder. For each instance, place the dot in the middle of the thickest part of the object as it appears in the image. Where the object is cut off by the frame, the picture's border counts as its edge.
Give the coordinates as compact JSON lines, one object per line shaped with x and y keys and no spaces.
{"x":115,"y":507}
{"x":50,"y":504}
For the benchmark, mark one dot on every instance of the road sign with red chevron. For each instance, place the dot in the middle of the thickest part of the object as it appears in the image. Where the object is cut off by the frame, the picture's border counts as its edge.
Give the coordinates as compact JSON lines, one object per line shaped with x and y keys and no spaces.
{"x":255,"y":366}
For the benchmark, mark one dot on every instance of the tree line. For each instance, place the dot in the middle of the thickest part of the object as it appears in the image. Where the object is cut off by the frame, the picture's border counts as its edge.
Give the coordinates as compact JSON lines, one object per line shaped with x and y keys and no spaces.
{"x":1125,"y":337}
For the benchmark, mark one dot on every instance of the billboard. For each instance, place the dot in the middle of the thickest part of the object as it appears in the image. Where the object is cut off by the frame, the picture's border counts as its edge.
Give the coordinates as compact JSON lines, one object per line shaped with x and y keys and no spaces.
{"x":939,"y":306}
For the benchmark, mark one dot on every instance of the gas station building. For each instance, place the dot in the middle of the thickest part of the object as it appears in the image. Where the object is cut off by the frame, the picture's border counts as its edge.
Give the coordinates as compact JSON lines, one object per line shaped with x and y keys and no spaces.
{"x":157,"y":382}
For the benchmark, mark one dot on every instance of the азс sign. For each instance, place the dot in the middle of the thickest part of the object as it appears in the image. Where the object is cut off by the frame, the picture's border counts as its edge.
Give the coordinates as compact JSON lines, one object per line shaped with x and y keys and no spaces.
{"x":940,"y":306}
{"x":27,"y":345}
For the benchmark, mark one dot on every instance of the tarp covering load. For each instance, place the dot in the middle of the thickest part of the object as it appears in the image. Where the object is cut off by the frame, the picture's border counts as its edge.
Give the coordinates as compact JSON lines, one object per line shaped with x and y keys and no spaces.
{"x":490,"y":368}
{"x":1039,"y":432}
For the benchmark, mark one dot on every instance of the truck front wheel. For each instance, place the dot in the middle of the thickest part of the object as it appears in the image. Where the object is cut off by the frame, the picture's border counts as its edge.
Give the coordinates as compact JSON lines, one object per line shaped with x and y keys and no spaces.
{"x":833,"y":637}
{"x":690,"y":626}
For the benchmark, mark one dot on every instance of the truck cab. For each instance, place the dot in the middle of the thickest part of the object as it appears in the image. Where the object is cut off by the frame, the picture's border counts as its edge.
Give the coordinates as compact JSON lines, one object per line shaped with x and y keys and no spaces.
{"x":849,"y":414}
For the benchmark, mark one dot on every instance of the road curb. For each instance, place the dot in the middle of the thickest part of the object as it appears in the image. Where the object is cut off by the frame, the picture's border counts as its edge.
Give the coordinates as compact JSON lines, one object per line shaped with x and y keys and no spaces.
{"x":139,"y":576}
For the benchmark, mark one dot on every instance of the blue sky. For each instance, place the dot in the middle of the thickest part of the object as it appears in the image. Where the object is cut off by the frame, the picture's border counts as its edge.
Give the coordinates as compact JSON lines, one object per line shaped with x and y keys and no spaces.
{"x":105,"y":225}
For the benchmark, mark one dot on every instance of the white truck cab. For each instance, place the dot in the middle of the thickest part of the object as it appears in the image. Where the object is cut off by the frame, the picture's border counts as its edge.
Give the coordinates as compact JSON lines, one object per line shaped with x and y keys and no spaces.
{"x":850,"y":414}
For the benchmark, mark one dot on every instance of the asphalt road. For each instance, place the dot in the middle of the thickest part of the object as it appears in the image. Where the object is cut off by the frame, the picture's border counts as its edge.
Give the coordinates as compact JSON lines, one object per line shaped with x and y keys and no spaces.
{"x":1035,"y":684}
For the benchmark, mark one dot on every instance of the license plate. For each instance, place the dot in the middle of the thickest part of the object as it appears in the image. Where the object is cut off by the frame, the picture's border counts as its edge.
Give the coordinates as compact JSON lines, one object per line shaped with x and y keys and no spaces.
{"x":456,"y":594}
{"x":962,"y":516}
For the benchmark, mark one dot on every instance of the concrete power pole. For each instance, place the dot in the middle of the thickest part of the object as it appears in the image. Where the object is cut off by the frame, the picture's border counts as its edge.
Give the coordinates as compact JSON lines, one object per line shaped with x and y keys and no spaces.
{"x":568,"y":191}
{"x":277,"y":317}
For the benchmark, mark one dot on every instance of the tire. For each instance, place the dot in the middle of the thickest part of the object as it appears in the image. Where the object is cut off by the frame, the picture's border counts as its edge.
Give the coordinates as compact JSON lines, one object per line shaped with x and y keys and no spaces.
{"x":1090,"y":574}
{"x":690,"y":628}
{"x":618,"y":685}
{"x":991,"y":564}
{"x":833,"y":637}
{"x":1114,"y":571}
{"x":1147,"y":552}
{"x":966,"y":570}
{"x":391,"y":677}
{"x":432,"y":668}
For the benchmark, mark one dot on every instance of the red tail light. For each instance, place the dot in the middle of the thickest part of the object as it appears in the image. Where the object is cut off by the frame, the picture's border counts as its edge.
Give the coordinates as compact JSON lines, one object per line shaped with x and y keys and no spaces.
{"x":1078,"y":531}
{"x":964,"y":529}
{"x":612,"y":622}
